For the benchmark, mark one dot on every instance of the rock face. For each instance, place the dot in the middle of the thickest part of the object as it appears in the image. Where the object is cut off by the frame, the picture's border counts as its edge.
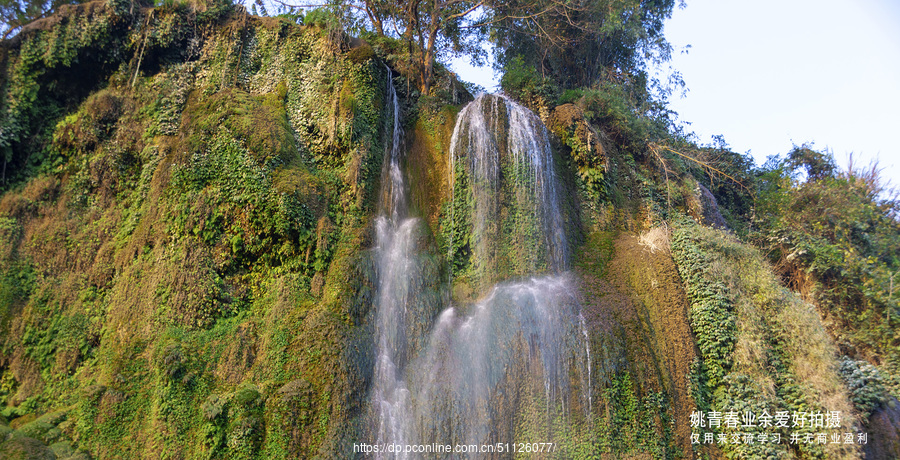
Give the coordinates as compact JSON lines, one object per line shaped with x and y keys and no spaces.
{"x":568,"y":120}
{"x":884,"y":432}
{"x":201,"y":201}
{"x":707,"y":210}
{"x":25,"y":448}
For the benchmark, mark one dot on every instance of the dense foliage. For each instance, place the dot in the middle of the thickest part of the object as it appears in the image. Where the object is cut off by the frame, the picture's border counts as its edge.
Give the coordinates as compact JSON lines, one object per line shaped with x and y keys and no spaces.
{"x":577,"y":44}
{"x":833,"y":235}
{"x":15,"y":14}
{"x":158,"y":221}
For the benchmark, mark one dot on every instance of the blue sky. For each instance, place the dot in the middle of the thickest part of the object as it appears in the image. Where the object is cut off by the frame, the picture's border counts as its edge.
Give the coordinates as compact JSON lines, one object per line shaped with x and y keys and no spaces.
{"x":768,"y":74}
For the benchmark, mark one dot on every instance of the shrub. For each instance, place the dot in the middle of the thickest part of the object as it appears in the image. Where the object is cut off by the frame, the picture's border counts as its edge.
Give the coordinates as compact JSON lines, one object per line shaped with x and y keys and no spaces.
{"x":656,"y":239}
{"x":867,"y":389}
{"x":522,"y":82}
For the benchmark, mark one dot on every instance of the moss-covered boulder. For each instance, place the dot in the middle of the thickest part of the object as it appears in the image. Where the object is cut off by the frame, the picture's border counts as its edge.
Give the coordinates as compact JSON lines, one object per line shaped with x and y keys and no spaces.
{"x":25,"y":448}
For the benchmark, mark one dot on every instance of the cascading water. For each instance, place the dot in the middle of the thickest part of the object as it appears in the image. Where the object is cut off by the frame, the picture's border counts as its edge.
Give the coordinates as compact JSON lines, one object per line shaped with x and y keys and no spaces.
{"x":514,"y":363}
{"x":523,"y":342}
{"x":502,"y":152}
{"x":396,"y":268}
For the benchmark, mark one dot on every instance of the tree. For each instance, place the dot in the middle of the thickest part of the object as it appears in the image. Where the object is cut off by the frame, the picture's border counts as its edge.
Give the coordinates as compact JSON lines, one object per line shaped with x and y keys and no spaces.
{"x":429,"y":27}
{"x":817,"y":165}
{"x":572,"y":42}
{"x":436,"y":25}
{"x":577,"y":42}
{"x":833,"y":235}
{"x":16,"y":14}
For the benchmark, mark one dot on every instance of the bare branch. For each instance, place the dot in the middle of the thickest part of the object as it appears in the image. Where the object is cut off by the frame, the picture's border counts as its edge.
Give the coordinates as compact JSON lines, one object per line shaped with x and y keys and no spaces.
{"x":466,"y":12}
{"x":654,"y":148}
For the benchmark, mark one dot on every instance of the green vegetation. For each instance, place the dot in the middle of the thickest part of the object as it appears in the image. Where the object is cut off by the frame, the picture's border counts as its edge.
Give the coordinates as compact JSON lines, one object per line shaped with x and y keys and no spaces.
{"x":777,"y":354}
{"x":840,"y":253}
{"x":15,"y":14}
{"x":169,"y":241}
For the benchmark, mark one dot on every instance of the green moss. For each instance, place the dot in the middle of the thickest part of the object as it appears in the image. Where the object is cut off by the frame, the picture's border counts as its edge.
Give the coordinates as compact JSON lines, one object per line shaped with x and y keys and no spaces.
{"x":46,"y":70}
{"x":712,"y":317}
{"x":779,"y":341}
{"x":199,"y":214}
{"x":25,"y":448}
{"x":259,"y":121}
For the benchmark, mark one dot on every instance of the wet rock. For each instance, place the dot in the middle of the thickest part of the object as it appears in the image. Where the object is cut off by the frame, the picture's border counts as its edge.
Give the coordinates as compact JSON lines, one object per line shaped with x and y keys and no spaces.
{"x":884,"y":432}
{"x":706,"y":208}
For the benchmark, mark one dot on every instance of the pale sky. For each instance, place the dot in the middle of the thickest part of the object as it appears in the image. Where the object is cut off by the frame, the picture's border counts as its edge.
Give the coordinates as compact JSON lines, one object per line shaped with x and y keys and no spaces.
{"x":768,"y":73}
{"x":771,"y":72}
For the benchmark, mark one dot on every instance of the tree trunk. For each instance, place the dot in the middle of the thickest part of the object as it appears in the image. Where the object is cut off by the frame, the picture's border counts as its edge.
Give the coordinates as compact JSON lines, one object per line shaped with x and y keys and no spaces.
{"x":428,"y":71}
{"x":375,"y":18}
{"x":428,"y":55}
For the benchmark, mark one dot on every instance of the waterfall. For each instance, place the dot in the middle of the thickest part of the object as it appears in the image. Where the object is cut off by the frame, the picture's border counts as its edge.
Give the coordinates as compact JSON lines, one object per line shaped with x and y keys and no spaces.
{"x":395,"y":255}
{"x":515,"y":362}
{"x":525,"y":339}
{"x":502,"y":143}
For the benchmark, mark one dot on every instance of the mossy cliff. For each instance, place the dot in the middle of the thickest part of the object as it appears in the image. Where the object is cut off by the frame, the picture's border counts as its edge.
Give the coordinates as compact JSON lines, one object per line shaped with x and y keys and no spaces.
{"x":186,"y":253}
{"x":184,"y":245}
